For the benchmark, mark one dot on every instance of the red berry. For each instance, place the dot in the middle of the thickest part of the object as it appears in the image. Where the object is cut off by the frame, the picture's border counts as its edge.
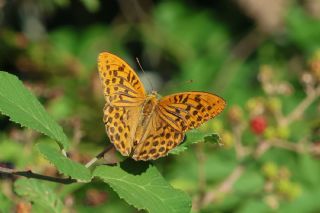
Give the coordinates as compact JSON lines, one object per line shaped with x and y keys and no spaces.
{"x":258,"y":124}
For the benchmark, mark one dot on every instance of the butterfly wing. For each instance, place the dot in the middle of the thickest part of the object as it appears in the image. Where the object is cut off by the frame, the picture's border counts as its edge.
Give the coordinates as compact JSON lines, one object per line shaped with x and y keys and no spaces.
{"x":124,"y":95}
{"x":174,"y":115}
{"x":120,"y":123}
{"x":122,"y":86}
{"x":160,"y":138}
{"x":188,"y":110}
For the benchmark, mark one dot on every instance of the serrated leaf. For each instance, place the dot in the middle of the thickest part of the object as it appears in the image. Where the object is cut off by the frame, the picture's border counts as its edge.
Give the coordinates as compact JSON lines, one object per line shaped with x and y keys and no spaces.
{"x":17,"y":102}
{"x":193,"y":137}
{"x":39,"y":193}
{"x":148,"y":190}
{"x":64,"y":165}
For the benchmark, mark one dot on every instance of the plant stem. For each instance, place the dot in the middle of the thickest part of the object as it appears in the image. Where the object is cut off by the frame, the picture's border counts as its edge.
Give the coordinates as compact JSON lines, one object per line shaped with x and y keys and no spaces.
{"x":100,"y":155}
{"x":30,"y":174}
{"x":298,"y":111}
{"x":224,"y":187}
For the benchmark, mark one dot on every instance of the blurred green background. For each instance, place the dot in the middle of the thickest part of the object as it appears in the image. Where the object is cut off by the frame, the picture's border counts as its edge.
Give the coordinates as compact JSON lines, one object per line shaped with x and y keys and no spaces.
{"x":262,"y":57}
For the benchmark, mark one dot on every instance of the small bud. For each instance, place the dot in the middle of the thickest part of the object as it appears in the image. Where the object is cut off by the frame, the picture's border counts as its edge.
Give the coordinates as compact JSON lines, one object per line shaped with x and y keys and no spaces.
{"x":227,"y":139}
{"x":265,"y":73}
{"x":235,"y":115}
{"x":274,"y":104}
{"x":216,"y":125}
{"x":284,"y":88}
{"x":272,"y":201}
{"x":256,"y":106}
{"x":270,"y":132}
{"x":288,"y":189}
{"x":283,"y":187}
{"x":284,"y":173}
{"x":283,"y":132}
{"x":314,"y":66}
{"x":270,"y":170}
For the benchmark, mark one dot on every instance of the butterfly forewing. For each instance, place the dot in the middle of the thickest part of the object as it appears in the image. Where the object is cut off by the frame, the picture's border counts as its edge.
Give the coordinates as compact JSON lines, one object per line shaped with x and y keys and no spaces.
{"x":122,"y":86}
{"x":124,"y":94}
{"x":188,"y":110}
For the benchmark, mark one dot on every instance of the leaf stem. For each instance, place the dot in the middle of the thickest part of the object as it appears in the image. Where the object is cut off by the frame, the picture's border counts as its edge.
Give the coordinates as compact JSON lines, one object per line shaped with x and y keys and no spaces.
{"x":100,"y":155}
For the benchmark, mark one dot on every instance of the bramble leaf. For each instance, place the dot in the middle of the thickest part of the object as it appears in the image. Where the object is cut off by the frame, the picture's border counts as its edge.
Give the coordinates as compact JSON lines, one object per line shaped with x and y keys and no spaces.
{"x":17,"y":102}
{"x":64,"y":164}
{"x":148,"y":190}
{"x":193,"y":137}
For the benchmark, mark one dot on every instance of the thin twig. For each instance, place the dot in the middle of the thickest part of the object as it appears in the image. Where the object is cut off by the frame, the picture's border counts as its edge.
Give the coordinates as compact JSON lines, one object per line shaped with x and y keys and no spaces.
{"x":312,"y":95}
{"x":202,"y":182}
{"x":295,"y":147}
{"x":30,"y":174}
{"x":201,"y":167}
{"x":239,"y":148}
{"x":100,"y":155}
{"x":224,"y":187}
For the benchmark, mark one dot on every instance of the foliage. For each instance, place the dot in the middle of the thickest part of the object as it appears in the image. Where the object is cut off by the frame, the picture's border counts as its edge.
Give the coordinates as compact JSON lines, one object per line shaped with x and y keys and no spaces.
{"x":163,"y":198}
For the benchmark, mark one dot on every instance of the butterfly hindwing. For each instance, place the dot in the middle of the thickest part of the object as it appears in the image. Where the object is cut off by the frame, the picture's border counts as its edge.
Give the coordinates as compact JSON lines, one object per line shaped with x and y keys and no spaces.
{"x":188,"y":110}
{"x":120,"y":123}
{"x":159,"y":140}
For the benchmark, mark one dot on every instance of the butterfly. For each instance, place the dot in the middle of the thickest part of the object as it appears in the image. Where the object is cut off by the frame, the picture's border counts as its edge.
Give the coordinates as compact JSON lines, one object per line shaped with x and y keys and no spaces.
{"x":141,"y":125}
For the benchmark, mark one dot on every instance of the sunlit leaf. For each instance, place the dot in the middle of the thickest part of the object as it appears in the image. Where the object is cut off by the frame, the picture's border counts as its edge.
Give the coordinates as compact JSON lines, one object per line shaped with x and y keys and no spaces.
{"x":147,"y":191}
{"x":22,"y":107}
{"x":64,"y":164}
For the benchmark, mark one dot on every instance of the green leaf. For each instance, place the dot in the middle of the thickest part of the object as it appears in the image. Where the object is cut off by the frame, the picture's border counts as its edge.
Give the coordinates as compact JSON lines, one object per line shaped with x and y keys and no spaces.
{"x":148,"y":190}
{"x":39,"y":193}
{"x":22,"y":107}
{"x":91,"y":5}
{"x":64,"y":164}
{"x":193,"y":137}
{"x":5,"y":203}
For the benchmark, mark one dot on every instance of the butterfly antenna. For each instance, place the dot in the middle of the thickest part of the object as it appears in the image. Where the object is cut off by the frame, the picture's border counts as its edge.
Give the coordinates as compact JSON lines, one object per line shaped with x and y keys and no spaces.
{"x":144,"y":73}
{"x":186,"y":82}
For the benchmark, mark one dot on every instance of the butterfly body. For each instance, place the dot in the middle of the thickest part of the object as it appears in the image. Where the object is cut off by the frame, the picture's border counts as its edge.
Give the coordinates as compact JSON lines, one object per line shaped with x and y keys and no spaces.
{"x":142,"y":125}
{"x":145,"y":116}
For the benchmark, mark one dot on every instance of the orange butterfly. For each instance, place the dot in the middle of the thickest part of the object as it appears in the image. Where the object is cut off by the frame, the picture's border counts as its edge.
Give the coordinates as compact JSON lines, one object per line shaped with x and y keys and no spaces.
{"x":139,"y":124}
